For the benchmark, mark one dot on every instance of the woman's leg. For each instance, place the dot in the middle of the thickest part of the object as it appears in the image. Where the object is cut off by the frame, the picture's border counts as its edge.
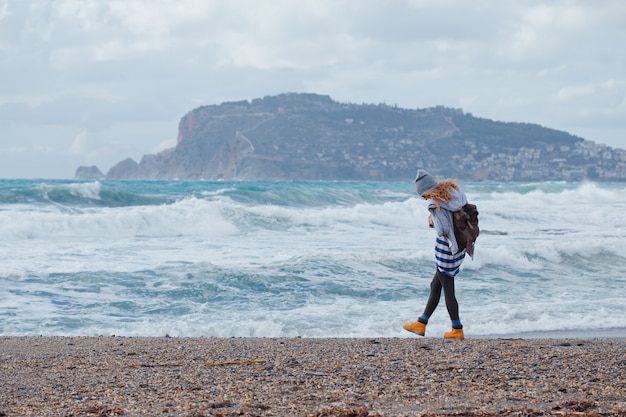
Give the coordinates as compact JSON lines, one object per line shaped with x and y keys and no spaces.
{"x":433,"y":297}
{"x":447,"y":282}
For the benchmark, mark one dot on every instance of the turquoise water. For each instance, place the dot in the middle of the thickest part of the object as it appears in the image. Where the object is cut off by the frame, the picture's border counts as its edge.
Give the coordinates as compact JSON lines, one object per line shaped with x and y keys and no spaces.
{"x":311,"y":259}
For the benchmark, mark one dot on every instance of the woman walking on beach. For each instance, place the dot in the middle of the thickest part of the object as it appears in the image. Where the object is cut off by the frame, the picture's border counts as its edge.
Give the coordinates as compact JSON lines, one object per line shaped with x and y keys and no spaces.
{"x":443,"y":198}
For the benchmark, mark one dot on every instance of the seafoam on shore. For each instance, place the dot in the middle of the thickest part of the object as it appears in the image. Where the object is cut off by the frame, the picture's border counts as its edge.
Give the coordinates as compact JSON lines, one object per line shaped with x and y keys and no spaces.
{"x":101,"y":376}
{"x":288,"y":259}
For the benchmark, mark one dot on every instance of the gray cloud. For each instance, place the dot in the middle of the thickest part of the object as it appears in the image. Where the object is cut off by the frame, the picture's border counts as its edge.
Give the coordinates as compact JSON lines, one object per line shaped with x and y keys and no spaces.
{"x":93,"y":82}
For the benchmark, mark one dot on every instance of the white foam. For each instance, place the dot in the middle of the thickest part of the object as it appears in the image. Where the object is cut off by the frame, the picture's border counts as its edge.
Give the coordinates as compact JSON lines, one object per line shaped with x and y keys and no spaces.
{"x":186,"y":217}
{"x":548,"y":259}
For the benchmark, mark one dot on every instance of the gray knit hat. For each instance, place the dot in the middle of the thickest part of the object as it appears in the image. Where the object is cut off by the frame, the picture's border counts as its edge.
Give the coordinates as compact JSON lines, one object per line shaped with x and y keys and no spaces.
{"x":424,"y":182}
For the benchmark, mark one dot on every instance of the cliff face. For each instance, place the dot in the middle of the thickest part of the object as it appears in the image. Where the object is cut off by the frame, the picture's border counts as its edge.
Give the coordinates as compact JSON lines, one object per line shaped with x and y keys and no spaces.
{"x":312,"y":137}
{"x":88,"y":173}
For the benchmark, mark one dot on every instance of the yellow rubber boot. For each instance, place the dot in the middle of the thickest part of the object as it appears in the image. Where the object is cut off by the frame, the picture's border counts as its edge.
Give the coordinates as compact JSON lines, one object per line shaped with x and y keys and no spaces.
{"x":416,"y":327}
{"x":454,"y":334}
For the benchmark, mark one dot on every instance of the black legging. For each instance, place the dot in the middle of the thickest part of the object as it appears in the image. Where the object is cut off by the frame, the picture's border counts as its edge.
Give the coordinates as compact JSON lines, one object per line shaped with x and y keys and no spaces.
{"x":441,"y":280}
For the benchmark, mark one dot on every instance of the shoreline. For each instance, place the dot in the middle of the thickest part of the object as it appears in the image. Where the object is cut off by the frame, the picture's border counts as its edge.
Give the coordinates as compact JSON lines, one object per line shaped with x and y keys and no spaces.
{"x":610,"y":333}
{"x":613,"y":333}
{"x":169,"y":376}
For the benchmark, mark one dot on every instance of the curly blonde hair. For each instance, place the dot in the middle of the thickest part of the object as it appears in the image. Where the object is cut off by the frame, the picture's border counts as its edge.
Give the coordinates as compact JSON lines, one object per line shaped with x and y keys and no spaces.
{"x":442,"y":192}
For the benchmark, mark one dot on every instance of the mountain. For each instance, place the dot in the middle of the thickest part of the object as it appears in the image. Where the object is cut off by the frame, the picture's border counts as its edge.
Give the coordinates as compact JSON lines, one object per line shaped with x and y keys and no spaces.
{"x":312,"y":137}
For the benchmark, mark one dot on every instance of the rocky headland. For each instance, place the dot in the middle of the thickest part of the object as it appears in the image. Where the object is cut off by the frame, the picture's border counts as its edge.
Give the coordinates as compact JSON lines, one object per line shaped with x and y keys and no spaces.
{"x":312,"y":137}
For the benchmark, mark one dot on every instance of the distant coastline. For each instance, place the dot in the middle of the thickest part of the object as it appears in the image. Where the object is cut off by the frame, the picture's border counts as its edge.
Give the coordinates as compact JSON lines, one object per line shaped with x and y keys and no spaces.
{"x":312,"y":137}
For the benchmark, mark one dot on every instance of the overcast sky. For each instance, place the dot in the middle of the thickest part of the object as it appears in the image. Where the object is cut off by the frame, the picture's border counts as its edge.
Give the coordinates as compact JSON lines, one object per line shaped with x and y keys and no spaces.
{"x":92,"y":82}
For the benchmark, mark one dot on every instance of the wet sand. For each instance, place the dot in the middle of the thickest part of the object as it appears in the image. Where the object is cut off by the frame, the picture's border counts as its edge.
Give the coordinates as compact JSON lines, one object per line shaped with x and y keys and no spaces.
{"x":104,"y":376}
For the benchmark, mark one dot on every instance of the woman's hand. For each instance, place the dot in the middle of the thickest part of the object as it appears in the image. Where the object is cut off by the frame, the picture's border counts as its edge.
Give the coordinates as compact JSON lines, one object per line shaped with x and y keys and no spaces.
{"x":430,"y":221}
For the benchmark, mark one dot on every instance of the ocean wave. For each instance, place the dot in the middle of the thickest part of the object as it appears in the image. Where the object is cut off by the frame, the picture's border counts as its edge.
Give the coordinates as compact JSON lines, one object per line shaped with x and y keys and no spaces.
{"x":186,"y":217}
{"x":71,"y":194}
{"x":300,"y":259}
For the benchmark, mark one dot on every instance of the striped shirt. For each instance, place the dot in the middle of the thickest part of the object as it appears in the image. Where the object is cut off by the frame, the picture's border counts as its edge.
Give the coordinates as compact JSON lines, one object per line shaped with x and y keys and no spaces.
{"x":447,"y":262}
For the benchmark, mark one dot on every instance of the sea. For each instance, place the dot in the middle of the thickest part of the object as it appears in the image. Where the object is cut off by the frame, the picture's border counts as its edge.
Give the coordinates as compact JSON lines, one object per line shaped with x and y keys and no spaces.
{"x":303,"y":259}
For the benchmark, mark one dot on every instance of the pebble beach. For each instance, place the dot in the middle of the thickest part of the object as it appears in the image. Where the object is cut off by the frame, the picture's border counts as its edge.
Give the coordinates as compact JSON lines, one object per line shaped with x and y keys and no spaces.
{"x":165,"y":376}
